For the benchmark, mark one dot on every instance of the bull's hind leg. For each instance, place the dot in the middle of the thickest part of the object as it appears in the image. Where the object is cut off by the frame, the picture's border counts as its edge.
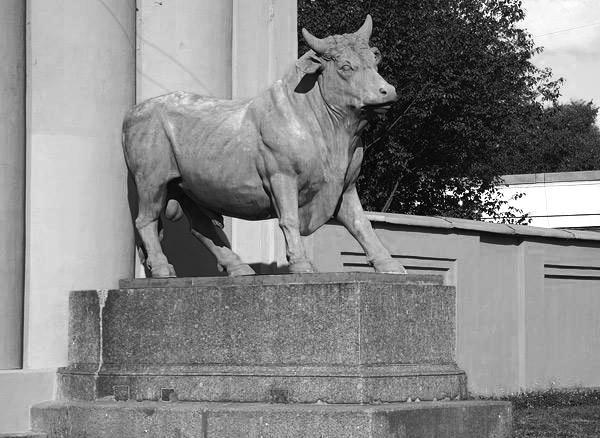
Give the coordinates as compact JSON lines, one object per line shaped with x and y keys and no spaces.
{"x":217,"y":243}
{"x":151,"y":162}
{"x":212,"y":236}
{"x":151,"y":202}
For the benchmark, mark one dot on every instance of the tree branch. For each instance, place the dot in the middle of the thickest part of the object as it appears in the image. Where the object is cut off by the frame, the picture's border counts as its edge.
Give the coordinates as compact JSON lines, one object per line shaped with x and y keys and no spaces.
{"x":388,"y":202}
{"x":388,"y":129}
{"x":389,"y":199}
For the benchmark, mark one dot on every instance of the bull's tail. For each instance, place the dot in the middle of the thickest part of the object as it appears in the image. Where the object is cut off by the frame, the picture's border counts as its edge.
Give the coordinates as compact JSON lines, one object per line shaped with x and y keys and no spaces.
{"x":173,"y":210}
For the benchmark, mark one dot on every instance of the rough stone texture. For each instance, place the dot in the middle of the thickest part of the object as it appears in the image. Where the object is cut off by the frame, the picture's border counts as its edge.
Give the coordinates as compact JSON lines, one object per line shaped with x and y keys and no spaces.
{"x":299,"y":343}
{"x":23,"y":435}
{"x":351,"y":385}
{"x":226,"y":420}
{"x":269,"y":280}
{"x":340,"y":338}
{"x":84,"y":327}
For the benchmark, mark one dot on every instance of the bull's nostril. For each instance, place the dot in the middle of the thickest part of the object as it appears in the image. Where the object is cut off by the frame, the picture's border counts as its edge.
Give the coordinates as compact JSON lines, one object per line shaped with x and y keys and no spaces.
{"x":383,"y":91}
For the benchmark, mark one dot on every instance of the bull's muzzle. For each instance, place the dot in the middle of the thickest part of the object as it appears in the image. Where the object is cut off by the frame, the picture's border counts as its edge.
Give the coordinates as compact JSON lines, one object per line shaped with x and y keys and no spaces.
{"x":381,"y":100}
{"x":387,"y":93}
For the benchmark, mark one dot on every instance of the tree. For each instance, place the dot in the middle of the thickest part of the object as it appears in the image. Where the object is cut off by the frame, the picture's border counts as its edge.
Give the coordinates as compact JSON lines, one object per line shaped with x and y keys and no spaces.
{"x":463,"y":72}
{"x":558,"y":138}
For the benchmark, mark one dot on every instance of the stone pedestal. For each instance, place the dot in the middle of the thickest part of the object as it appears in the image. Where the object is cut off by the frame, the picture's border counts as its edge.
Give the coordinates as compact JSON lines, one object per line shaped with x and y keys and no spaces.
{"x":331,"y":355}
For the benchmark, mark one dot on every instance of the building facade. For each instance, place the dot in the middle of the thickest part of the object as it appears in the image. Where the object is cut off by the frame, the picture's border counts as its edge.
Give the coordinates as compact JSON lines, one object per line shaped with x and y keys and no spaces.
{"x":70,"y":71}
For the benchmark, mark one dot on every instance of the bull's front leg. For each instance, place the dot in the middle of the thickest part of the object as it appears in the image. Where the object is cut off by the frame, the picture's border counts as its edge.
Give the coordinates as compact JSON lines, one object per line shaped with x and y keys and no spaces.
{"x":284,"y":189}
{"x":352,"y":216}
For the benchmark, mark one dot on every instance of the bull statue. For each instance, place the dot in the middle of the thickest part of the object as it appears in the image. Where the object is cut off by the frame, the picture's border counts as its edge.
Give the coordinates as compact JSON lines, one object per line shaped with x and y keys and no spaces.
{"x":291,"y":153}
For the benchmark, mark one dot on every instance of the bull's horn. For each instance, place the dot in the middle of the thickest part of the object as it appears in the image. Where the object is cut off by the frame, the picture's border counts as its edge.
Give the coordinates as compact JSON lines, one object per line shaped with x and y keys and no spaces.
{"x":318,"y":45}
{"x":366,"y":29}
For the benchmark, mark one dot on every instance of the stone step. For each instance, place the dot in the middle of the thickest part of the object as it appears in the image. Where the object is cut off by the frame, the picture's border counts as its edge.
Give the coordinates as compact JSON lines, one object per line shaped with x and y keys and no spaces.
{"x":102,"y":419}
{"x":243,"y":384}
{"x":23,"y":435}
{"x":340,"y":338}
{"x":283,"y":279}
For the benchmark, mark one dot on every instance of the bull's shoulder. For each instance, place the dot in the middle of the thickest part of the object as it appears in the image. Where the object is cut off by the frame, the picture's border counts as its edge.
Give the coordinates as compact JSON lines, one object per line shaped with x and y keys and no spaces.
{"x":280,"y":119}
{"x":355,"y":164}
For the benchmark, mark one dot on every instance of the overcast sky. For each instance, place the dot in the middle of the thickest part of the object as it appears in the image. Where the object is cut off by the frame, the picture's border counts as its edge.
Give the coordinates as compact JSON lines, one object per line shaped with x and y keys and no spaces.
{"x":569,"y":31}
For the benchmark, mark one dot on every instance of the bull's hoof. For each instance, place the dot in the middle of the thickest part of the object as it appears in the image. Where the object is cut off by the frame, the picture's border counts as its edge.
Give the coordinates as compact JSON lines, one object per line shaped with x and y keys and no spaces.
{"x":240,"y":270}
{"x":163,"y":271}
{"x":389,"y":266}
{"x":302,"y":267}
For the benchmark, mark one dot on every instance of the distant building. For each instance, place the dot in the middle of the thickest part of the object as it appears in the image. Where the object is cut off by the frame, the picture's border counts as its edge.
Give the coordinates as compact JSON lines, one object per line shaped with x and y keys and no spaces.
{"x":557,"y":200}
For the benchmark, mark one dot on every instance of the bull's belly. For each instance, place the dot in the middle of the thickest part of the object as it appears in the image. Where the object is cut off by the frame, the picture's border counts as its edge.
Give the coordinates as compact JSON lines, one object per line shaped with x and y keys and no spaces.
{"x":238,"y":191}
{"x":251,"y":202}
{"x":242,"y":199}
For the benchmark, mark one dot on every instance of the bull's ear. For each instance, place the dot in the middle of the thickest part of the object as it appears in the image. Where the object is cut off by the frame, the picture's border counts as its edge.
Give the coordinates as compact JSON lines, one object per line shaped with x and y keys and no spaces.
{"x":309,"y":63}
{"x":377,"y":54}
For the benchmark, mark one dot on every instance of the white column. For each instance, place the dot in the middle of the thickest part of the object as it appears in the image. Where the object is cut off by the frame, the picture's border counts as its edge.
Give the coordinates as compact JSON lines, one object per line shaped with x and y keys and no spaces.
{"x":81,"y":79}
{"x":184,"y":45}
{"x":264,"y":46}
{"x":12,"y":180}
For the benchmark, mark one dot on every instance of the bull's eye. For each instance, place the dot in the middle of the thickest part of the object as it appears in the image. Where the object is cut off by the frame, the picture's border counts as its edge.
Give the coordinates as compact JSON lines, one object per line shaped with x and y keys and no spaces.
{"x":346,"y":68}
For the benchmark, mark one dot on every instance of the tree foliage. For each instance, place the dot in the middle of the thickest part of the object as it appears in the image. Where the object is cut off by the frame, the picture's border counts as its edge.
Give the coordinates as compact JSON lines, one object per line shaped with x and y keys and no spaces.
{"x":558,"y":138}
{"x":463,"y":72}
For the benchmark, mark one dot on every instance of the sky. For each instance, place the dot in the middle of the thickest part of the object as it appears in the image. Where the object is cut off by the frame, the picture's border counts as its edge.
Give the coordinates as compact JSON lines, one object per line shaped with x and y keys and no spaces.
{"x":569,"y":31}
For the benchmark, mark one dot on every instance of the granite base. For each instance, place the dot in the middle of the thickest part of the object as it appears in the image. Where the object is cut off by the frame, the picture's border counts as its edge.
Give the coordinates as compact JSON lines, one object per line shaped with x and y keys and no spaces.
{"x":101,"y":419}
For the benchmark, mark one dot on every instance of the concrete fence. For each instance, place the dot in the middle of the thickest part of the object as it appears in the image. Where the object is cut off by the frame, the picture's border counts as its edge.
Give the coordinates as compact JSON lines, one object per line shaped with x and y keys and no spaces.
{"x":528,"y":299}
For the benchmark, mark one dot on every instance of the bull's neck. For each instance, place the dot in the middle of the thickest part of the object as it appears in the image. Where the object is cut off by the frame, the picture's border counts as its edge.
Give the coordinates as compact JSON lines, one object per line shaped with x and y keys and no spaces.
{"x":334,"y":121}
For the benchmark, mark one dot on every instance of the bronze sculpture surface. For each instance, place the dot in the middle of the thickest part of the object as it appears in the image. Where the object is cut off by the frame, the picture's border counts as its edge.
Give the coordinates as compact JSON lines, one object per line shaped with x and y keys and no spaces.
{"x":292,"y":153}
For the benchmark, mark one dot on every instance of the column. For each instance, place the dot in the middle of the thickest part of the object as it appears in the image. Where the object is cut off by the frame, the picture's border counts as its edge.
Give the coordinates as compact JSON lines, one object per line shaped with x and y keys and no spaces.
{"x":12,"y":180}
{"x":80,"y":83}
{"x":184,"y":45}
{"x":264,"y":46}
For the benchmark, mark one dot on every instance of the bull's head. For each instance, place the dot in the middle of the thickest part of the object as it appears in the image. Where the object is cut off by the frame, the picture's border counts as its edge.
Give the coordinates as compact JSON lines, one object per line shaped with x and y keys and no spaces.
{"x":347,"y":69}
